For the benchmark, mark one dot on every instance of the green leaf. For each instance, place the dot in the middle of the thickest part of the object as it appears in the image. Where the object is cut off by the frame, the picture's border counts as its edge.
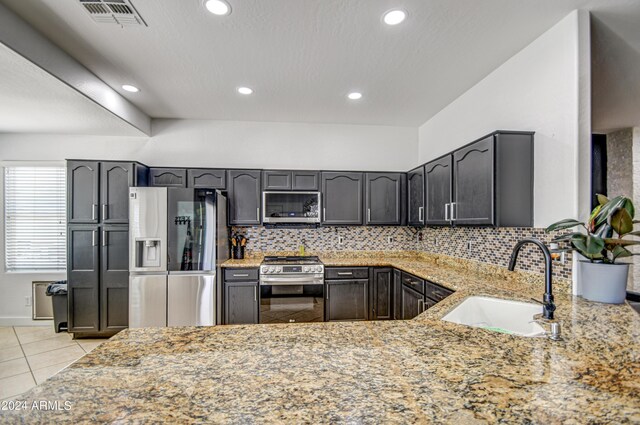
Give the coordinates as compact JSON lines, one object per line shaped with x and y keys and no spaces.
{"x":620,"y":252}
{"x":601,"y":199}
{"x":566,"y":237}
{"x":608,"y":209}
{"x":620,"y":242}
{"x":621,"y":222}
{"x":605,"y":231}
{"x":564,"y":224}
{"x":588,"y":245}
{"x":628,"y":205}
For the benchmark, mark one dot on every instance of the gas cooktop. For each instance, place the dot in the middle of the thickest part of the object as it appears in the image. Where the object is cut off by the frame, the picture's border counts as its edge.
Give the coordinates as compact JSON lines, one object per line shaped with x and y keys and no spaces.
{"x":291,"y":260}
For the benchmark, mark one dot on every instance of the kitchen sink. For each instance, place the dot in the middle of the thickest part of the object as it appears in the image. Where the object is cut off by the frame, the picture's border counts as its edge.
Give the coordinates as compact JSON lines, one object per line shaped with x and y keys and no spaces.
{"x":506,"y":316}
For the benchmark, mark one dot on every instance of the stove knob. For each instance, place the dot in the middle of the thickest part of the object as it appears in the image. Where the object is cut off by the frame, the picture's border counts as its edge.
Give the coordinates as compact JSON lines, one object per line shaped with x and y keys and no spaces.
{"x":319,"y":269}
{"x":305,"y":269}
{"x":278,"y":269}
{"x":271,"y":269}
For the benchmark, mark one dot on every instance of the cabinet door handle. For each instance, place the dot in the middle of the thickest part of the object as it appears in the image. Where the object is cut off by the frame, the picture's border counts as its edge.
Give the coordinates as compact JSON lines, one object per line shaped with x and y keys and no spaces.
{"x":240,"y":275}
{"x":420,"y":306}
{"x":94,"y":237}
{"x":104,"y":238}
{"x":258,"y":214}
{"x":446,"y":212}
{"x":327,"y":292}
{"x":105,"y":211}
{"x":324,"y":214}
{"x":255,"y":293}
{"x":421,"y":214}
{"x":453,"y":211}
{"x":94,"y":211}
{"x":368,"y":215}
{"x":345,"y":273}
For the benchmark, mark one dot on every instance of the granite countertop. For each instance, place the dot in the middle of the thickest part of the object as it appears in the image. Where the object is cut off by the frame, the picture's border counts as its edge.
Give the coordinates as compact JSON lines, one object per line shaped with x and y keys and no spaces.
{"x":417,"y":371}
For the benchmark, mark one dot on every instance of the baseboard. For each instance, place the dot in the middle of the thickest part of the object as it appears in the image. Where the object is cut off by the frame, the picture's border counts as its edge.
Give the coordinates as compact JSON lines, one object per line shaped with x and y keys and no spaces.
{"x":24,"y":321}
{"x":633,"y":296}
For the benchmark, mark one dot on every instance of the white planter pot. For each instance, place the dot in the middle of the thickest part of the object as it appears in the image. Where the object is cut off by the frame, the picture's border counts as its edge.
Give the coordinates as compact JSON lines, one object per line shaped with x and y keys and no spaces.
{"x":605,"y":283}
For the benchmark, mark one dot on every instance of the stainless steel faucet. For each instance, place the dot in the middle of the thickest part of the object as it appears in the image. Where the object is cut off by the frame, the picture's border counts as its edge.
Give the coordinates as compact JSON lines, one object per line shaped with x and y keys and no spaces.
{"x":548,"y":307}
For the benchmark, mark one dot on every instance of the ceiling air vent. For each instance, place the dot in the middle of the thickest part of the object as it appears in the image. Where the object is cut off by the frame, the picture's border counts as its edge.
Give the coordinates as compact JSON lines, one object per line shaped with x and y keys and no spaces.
{"x":119,"y":12}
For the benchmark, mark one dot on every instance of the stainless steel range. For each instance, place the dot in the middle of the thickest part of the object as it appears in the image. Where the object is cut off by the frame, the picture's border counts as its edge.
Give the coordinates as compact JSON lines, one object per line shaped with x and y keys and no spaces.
{"x":291,"y":290}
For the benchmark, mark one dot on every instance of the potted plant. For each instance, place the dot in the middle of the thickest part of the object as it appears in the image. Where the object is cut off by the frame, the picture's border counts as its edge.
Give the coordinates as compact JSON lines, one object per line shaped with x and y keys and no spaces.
{"x":602,"y":243}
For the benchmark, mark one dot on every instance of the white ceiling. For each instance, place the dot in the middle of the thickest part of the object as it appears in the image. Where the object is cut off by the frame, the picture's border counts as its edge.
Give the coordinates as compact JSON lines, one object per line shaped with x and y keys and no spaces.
{"x":33,"y":101}
{"x":303,"y":56}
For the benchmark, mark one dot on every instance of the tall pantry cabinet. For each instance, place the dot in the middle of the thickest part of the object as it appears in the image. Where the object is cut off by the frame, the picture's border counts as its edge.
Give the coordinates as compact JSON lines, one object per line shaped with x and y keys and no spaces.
{"x":97,"y":244}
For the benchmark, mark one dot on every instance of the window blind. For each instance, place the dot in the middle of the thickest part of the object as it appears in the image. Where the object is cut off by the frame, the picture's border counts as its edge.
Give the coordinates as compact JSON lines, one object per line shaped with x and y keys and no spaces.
{"x":35,"y":218}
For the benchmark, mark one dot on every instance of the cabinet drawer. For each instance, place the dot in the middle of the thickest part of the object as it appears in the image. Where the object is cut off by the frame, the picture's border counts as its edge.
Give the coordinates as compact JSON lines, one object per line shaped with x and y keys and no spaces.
{"x":413,"y":282}
{"x":241,"y":275}
{"x":436,"y":292}
{"x":347,"y":273}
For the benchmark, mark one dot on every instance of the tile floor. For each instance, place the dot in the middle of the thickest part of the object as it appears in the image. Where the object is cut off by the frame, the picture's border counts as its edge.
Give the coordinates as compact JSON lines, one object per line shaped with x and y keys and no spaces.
{"x":31,"y":354}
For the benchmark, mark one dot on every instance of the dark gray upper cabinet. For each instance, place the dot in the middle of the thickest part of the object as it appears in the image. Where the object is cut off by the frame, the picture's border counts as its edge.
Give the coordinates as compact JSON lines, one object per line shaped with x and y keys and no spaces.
{"x":244,"y":192}
{"x":438,"y":186}
{"x":114,"y":278}
{"x":207,"y":178}
{"x":385,"y":196}
{"x":276,"y":180}
{"x":415,"y":194}
{"x":241,"y":303}
{"x":381,"y":294}
{"x":473,"y":187}
{"x":347,"y":299}
{"x":290,"y":180}
{"x":168,"y":177}
{"x":493,"y":181}
{"x":305,"y":180}
{"x":342,"y":198}
{"x":83,"y":278}
{"x":82,"y":192}
{"x":115,"y":180}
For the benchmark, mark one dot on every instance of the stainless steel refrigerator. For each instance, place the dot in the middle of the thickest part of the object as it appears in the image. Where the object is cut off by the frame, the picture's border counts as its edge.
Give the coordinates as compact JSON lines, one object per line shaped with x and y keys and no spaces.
{"x":177,"y":240}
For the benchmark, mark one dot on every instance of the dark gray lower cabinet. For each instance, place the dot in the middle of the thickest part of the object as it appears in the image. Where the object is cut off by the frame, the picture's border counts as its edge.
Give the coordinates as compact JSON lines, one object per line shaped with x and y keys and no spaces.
{"x":83,"y":278}
{"x":412,"y":303}
{"x":381,"y":294}
{"x":347,"y":299}
{"x":397,"y":295}
{"x":241,"y":303}
{"x":114,"y":282}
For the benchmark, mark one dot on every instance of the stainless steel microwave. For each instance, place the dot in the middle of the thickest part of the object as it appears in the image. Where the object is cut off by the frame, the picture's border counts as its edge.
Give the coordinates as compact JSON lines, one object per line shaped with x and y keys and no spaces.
{"x":291,"y":207}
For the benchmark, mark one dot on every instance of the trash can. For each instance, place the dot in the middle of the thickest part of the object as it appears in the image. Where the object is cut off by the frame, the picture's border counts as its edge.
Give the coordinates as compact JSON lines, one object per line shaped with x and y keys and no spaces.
{"x":58,"y":290}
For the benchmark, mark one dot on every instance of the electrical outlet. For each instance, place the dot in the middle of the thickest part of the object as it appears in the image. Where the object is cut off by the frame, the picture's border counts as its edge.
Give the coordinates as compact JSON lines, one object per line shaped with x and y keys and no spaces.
{"x":419,"y":236}
{"x":435,"y":241}
{"x":390,"y":239}
{"x":27,"y":301}
{"x":468,"y":245}
{"x":340,"y":240}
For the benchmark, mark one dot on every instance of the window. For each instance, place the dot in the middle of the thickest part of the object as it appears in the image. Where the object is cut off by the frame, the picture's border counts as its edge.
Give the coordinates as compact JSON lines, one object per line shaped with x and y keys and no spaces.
{"x":35,"y":218}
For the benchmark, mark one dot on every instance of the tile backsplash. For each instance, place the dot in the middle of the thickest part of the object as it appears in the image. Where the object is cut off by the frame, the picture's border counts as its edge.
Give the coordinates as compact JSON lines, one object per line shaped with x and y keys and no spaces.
{"x":487,"y":245}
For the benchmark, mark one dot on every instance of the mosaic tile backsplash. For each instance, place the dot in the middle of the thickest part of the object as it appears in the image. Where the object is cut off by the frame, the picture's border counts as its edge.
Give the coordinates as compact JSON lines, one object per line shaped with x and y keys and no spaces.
{"x":487,"y":245}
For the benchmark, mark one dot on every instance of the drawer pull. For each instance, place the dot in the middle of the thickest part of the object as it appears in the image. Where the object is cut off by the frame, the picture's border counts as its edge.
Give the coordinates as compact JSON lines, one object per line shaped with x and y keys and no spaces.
{"x":345,"y":273}
{"x":241,"y":275}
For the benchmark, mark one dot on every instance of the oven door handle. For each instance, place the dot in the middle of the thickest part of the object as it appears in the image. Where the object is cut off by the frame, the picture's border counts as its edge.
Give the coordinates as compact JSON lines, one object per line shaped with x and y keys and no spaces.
{"x":281,"y":280}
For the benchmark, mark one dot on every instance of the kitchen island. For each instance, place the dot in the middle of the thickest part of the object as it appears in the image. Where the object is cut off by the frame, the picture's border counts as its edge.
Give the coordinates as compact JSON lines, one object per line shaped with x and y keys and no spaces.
{"x":418,"y":371}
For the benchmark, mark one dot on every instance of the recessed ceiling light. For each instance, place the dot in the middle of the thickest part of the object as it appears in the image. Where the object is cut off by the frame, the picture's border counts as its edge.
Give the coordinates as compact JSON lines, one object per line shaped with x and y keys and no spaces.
{"x":218,"y":7}
{"x":129,"y":87}
{"x":394,"y":17}
{"x":244,"y":90}
{"x":355,"y":95}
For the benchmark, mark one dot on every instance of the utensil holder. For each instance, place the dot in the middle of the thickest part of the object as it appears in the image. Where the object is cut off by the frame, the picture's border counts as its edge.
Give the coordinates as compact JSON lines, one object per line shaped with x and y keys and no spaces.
{"x":238,"y":252}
